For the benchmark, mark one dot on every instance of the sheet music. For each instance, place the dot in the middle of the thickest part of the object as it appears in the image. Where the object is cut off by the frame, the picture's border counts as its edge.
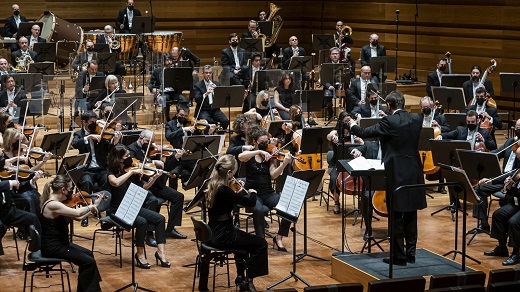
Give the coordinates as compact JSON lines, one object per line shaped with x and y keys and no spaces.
{"x":292,"y":197}
{"x":131,"y":204}
{"x":361,"y":163}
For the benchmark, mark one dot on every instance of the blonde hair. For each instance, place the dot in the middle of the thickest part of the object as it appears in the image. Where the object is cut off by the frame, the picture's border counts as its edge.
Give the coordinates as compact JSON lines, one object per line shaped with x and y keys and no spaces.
{"x":260,"y":97}
{"x":10,"y":136}
{"x":60,"y":181}
{"x":110,"y":79}
{"x":218,"y":177}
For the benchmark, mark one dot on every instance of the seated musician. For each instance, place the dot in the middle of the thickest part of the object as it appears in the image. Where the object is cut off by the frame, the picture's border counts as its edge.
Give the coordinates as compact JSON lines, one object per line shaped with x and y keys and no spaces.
{"x":108,"y":38}
{"x":118,"y":160}
{"x":490,"y":114}
{"x":138,"y":149}
{"x":247,"y":74}
{"x":252,"y":32}
{"x":4,"y":70}
{"x":21,"y":57}
{"x":292,"y":51}
{"x":35,"y":36}
{"x":125,"y":17}
{"x":471,"y":85}
{"x":506,"y":223}
{"x":82,"y":59}
{"x":107,"y":96}
{"x":11,"y":96}
{"x":204,"y":98}
{"x":6,"y":121}
{"x":169,"y":96}
{"x":221,"y":199}
{"x":261,"y":168}
{"x":358,"y":88}
{"x":328,"y":87}
{"x":83,"y":84}
{"x":238,"y":142}
{"x":233,"y":59}
{"x":105,"y":111}
{"x":187,"y":55}
{"x":284,"y":94}
{"x":370,"y":108}
{"x":262,"y":109}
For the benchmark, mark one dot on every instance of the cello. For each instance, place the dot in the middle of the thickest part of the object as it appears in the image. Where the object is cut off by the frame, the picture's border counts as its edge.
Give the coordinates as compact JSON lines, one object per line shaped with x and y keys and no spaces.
{"x":427,"y":156}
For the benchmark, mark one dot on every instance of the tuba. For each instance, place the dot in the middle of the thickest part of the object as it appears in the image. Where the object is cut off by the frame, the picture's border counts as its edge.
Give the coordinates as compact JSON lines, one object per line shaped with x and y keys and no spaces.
{"x":277,"y":25}
{"x":346,"y":30}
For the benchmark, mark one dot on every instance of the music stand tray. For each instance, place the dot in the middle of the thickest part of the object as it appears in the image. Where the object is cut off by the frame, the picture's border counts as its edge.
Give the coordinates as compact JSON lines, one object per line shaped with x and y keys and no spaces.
{"x":478,"y":165}
{"x":445,"y":151}
{"x":24,"y":29}
{"x":44,"y":68}
{"x":71,"y":162}
{"x":455,"y":120}
{"x":178,"y":78}
{"x":198,"y":198}
{"x":101,"y":48}
{"x":45,"y":52}
{"x":311,"y":100}
{"x":265,"y":27}
{"x":35,"y":106}
{"x":509,"y":82}
{"x":106,"y":62}
{"x":368,"y":122}
{"x":252,"y":45}
{"x":143,"y":24}
{"x":322,"y":42}
{"x":201,"y":172}
{"x":275,"y":127}
{"x":332,"y":73}
{"x":30,"y":81}
{"x":451,"y":98}
{"x":385,"y":63}
{"x":454,"y":80}
{"x":123,"y":100}
{"x":57,"y":143}
{"x":424,"y":139}
{"x":313,"y":140}
{"x":228,"y":96}
{"x":202,"y":146}
{"x":301,"y":63}
{"x":97,"y":83}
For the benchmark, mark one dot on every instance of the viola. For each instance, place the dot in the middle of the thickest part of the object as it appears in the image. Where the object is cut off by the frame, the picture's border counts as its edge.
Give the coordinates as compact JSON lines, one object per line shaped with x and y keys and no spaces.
{"x":200,"y":124}
{"x":149,"y":169}
{"x":38,"y":153}
{"x":166,"y":150}
{"x":29,"y":128}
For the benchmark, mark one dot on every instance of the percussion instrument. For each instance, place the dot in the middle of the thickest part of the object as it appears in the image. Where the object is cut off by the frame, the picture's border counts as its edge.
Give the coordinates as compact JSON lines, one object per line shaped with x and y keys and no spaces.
{"x":162,"y":41}
{"x":66,"y":35}
{"x":92,"y":35}
{"x":128,"y":46}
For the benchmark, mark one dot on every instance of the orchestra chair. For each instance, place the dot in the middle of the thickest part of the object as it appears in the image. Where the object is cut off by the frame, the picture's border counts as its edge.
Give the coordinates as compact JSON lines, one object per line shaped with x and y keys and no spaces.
{"x":14,"y":238}
{"x":495,"y":197}
{"x":504,"y":275}
{"x":504,"y":286}
{"x":34,"y":261}
{"x":458,"y":279}
{"x":412,"y":284}
{"x":203,"y":236}
{"x":350,"y":287}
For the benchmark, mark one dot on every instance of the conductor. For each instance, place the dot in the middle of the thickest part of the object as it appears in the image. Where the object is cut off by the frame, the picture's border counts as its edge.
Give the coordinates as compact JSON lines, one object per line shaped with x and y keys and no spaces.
{"x":399,"y":136}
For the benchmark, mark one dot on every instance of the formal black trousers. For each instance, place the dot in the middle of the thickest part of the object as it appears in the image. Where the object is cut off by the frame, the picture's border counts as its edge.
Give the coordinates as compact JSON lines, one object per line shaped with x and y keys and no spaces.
{"x":484,"y":191}
{"x":506,"y":222}
{"x":92,"y":176}
{"x":264,"y":203}
{"x":405,"y":228}
{"x":176,"y":200}
{"x":28,"y":200}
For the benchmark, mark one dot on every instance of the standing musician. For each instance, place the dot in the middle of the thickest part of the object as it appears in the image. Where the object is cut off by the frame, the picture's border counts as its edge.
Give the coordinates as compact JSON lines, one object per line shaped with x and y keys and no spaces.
{"x":55,"y":218}
{"x":399,"y":134}
{"x":339,"y":37}
{"x":107,"y":96}
{"x":107,"y":38}
{"x":261,"y":168}
{"x":82,"y":59}
{"x":35,"y":36}
{"x":204,"y":99}
{"x":118,"y":160}
{"x":11,"y":96}
{"x":159,"y":189}
{"x":434,"y":78}
{"x":125,"y":17}
{"x":284,"y":94}
{"x":487,"y":112}
{"x":83,"y":84}
{"x":292,"y":51}
{"x":88,"y":140}
{"x":371,"y":108}
{"x":12,"y":23}
{"x":220,"y":199}
{"x":358,"y":88}
{"x":471,"y":85}
{"x":187,"y":55}
{"x":248,"y":77}
{"x":23,"y":52}
{"x":233,"y":58}
{"x":374,"y":49}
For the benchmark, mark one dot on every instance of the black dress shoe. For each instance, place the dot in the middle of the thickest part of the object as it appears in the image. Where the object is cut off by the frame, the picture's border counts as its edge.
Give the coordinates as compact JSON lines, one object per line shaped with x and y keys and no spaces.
{"x":175,"y":234}
{"x":76,"y":114}
{"x":266,"y":224}
{"x":497,"y":252}
{"x":20,"y":234}
{"x":512,"y":260}
{"x":84,"y":222}
{"x":410,"y":259}
{"x":396,"y":262}
{"x":442,"y":190}
{"x":150,"y":241}
{"x":485,"y":228}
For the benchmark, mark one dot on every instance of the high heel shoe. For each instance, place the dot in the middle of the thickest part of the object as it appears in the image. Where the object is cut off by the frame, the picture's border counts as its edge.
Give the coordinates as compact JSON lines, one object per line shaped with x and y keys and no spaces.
{"x":158,"y":259}
{"x":337,"y":208}
{"x":275,"y":244}
{"x":247,"y":285}
{"x":140,"y":264}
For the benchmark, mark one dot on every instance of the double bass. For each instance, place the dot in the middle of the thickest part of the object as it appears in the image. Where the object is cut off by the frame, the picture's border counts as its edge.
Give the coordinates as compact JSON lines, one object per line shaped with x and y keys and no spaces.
{"x":490,"y":101}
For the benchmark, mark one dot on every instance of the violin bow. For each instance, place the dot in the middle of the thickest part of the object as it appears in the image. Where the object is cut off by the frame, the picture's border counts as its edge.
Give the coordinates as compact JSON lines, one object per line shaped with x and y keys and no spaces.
{"x":75,"y":186}
{"x":20,"y":141}
{"x":122,"y":110}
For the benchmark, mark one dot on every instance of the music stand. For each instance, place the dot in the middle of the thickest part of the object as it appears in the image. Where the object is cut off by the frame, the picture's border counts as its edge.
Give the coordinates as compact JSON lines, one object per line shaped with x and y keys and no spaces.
{"x":310,"y":100}
{"x":332,"y":73}
{"x":269,"y":78}
{"x":45,"y":52}
{"x":57,"y":143}
{"x":101,"y":48}
{"x":228,"y":96}
{"x":143,"y":24}
{"x":252,"y":46}
{"x":509,"y":83}
{"x":382,"y":64}
{"x":179,"y":78}
{"x":123,"y":100}
{"x":24,"y":29}
{"x":454,"y":80}
{"x":72,"y":162}
{"x":36,"y":107}
{"x":301,"y":63}
{"x":275,"y":127}
{"x":28,"y":80}
{"x":451,"y":98}
{"x":368,"y":122}
{"x":265,"y":27}
{"x":387,"y":88}
{"x":322,"y":42}
{"x":313,"y":140}
{"x":202,"y":146}
{"x":106,"y":62}
{"x":455,"y":120}
{"x":199,"y":198}
{"x":201,"y":172}
{"x":44,"y":68}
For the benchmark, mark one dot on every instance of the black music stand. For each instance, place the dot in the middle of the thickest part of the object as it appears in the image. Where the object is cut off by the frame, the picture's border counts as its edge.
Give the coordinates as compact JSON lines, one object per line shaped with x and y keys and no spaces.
{"x":313,"y":140}
{"x":36,"y":107}
{"x":130,"y":136}
{"x":97,"y":83}
{"x":57,"y":144}
{"x":29,"y":81}
{"x":303,"y":64}
{"x":270,"y":78}
{"x":455,"y":120}
{"x":178,"y":78}
{"x":451,"y":98}
{"x":143,"y":24}
{"x":202,"y":146}
{"x":368,"y":122}
{"x":334,"y":73}
{"x":123,"y":100}
{"x":383,"y":64}
{"x":275,"y":127}
{"x":265,"y":27}
{"x":198,"y":199}
{"x":314,"y":178}
{"x":478,"y":165}
{"x":24,"y":29}
{"x":252,"y":46}
{"x":45,"y":52}
{"x":509,"y":83}
{"x":311,"y":100}
{"x":101,"y":48}
{"x":201,"y":172}
{"x":454,"y":80}
{"x":44,"y":68}
{"x":322,"y":42}
{"x":106,"y":62}
{"x":228,"y":96}
{"x":72,"y":162}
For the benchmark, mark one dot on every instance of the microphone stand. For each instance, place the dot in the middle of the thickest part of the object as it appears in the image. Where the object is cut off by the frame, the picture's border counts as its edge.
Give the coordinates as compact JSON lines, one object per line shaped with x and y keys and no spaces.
{"x":396,"y":41}
{"x":415,"y":41}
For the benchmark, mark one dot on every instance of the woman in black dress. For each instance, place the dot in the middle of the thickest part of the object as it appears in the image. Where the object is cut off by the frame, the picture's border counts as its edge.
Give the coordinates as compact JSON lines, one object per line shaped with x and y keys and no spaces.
{"x":119,"y":181}
{"x":221,"y":199}
{"x":261,"y":110}
{"x":283,"y":95}
{"x":55,"y":219}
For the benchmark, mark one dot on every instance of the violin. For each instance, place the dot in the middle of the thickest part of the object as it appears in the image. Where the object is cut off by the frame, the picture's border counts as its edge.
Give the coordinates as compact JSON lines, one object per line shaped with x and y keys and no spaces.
{"x":149,"y":169}
{"x":200,"y":124}
{"x":38,"y":153}
{"x":24,"y":172}
{"x":29,"y":128}
{"x":166,"y":150}
{"x":280,"y":154}
{"x":82,"y":198}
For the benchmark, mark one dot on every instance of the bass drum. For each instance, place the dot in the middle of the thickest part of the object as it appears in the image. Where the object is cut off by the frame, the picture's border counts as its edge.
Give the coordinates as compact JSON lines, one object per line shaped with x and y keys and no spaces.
{"x":66,"y":35}
{"x":162,"y":41}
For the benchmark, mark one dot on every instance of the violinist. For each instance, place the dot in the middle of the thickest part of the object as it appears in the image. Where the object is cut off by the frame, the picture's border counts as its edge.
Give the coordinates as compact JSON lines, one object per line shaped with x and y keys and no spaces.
{"x":204,"y":98}
{"x":6,"y":121}
{"x":105,"y":112}
{"x":260,"y":170}
{"x":55,"y":218}
{"x":118,"y":160}
{"x":471,"y":85}
{"x":469,"y":132}
{"x":138,"y":150}
{"x":370,"y":108}
{"x":283,"y":95}
{"x":506,"y":223}
{"x":262,"y":109}
{"x":88,"y":140}
{"x":489,"y":114}
{"x":221,"y":199}
{"x":238,"y":143}
{"x":106,"y":96}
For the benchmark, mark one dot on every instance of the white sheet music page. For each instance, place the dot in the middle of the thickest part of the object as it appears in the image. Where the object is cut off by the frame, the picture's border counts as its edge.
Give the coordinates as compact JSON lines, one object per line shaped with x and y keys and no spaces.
{"x":361,"y":163}
{"x":292,"y":196}
{"x":131,"y":204}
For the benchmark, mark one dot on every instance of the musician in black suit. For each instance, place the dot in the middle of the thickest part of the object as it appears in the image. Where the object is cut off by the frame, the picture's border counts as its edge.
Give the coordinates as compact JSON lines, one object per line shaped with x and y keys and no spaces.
{"x":439,"y":120}
{"x":204,"y":99}
{"x":374,"y":49}
{"x":23,"y":51}
{"x":86,"y":140}
{"x":469,"y":133}
{"x":358,"y":88}
{"x":12,"y":23}
{"x":159,"y":189}
{"x":4,"y":70}
{"x":125,"y":17}
{"x":252,"y":32}
{"x":340,"y":38}
{"x":292,"y":51}
{"x":84,"y":57}
{"x":471,"y":85}
{"x":187,"y":55}
{"x":248,"y":76}
{"x":370,"y":108}
{"x":434,"y":78}
{"x":233,"y":58}
{"x":11,"y":96}
{"x":399,"y":136}
{"x":487,"y":112}
{"x":83,"y":84}
{"x":35,"y":36}
{"x":108,"y":38}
